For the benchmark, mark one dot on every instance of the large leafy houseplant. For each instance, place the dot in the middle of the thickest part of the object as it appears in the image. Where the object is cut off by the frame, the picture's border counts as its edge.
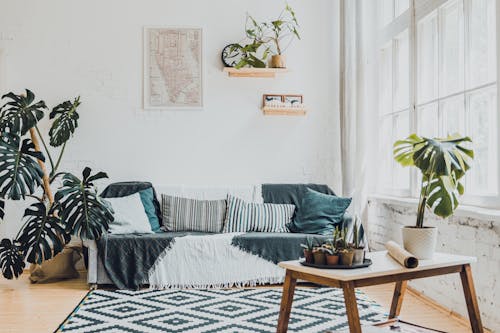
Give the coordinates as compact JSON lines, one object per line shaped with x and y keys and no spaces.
{"x":443,"y":164}
{"x":50,"y":220}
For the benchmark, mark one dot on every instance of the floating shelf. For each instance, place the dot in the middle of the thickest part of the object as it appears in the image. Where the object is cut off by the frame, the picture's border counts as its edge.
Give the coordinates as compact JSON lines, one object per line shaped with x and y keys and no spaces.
{"x":254,"y":72}
{"x":268,"y":111}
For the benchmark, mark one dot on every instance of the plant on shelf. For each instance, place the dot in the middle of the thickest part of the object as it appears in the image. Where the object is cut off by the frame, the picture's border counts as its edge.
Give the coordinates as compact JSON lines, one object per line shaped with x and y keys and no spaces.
{"x":443,"y":163}
{"x":248,"y":54}
{"x":280,"y":33}
{"x":50,"y":220}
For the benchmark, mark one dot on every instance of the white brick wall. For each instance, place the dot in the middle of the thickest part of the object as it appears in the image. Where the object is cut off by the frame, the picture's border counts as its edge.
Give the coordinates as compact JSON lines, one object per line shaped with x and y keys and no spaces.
{"x":477,"y":236}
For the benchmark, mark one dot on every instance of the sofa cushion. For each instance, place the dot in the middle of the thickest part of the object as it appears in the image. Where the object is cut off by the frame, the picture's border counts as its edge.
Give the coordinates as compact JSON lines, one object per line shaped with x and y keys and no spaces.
{"x":320,"y":213}
{"x":248,"y":216}
{"x":182,"y":214}
{"x":129,"y":215}
{"x":122,"y":189}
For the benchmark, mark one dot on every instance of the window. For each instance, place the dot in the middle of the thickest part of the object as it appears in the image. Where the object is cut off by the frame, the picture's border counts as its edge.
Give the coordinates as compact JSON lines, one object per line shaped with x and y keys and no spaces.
{"x":438,"y":76}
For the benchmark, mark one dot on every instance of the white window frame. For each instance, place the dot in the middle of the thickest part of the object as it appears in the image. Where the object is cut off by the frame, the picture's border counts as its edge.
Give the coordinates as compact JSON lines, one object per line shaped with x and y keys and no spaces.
{"x":409,"y":20}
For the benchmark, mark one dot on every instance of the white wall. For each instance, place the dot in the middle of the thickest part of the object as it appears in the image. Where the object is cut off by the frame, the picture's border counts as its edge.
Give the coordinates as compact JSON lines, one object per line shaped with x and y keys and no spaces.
{"x":64,"y":48}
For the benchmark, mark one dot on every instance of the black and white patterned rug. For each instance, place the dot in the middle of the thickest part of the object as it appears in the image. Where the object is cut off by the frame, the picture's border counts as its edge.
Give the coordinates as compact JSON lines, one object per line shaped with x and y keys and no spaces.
{"x":214,"y":310}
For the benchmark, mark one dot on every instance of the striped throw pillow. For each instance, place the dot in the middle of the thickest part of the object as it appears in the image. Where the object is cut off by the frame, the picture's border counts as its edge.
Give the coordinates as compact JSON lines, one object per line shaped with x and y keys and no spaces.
{"x":182,"y":214}
{"x":242,"y":216}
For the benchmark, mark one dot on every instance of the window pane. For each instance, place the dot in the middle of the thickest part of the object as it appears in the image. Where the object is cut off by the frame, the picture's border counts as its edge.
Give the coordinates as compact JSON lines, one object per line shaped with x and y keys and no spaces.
{"x":427,"y":58}
{"x":385,"y":80}
{"x":385,"y":152}
{"x":401,"y":175}
{"x":386,"y":13}
{"x":452,"y":48}
{"x":453,"y":116}
{"x":401,"y":6}
{"x":427,"y":120}
{"x":482,"y":42}
{"x":402,"y":75}
{"x":483,"y":131}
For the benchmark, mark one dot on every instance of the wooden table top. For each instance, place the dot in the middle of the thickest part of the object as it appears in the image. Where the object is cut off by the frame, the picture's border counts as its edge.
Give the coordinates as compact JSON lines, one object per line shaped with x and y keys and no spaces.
{"x":383,"y":264}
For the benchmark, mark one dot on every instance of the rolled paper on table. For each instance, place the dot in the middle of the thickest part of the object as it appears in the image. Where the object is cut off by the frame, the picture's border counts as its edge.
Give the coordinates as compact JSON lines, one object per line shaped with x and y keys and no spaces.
{"x":402,"y":256}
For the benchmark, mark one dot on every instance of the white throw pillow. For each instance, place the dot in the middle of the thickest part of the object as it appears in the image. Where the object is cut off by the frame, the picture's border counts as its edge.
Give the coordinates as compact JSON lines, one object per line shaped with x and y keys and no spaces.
{"x":129,"y":214}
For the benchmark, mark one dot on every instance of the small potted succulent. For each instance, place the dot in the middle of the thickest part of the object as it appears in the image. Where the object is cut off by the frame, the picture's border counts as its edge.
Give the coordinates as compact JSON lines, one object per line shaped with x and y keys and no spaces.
{"x":357,"y":246}
{"x":319,"y":255}
{"x":346,"y":256}
{"x":344,"y":248}
{"x":332,"y":256}
{"x":308,"y":250}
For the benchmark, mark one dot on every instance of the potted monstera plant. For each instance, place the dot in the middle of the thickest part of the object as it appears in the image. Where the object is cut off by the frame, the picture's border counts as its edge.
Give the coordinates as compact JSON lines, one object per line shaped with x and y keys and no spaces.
{"x":443,"y":163}
{"x":50,"y":220}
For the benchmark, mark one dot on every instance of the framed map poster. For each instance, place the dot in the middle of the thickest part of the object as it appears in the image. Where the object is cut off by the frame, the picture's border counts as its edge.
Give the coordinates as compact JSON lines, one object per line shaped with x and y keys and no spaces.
{"x":173,"y":71}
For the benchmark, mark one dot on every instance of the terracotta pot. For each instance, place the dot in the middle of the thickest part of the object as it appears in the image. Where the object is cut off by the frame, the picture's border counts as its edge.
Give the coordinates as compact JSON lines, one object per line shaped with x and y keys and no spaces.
{"x":421,"y":242}
{"x":359,"y":256}
{"x":319,"y":258}
{"x":278,"y":61}
{"x":309,"y":256}
{"x":346,"y":258}
{"x":332,"y":259}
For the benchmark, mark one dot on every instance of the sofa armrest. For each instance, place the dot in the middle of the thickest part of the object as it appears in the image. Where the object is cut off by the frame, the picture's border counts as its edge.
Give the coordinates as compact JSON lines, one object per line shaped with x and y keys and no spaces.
{"x":92,"y":264}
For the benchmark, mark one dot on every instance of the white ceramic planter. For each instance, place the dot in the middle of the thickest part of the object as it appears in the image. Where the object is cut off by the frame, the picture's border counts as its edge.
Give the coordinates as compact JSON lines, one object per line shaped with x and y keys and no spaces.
{"x":421,"y":242}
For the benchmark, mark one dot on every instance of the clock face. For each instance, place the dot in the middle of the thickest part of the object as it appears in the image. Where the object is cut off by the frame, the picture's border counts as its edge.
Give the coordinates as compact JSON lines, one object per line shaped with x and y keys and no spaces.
{"x":231,"y":55}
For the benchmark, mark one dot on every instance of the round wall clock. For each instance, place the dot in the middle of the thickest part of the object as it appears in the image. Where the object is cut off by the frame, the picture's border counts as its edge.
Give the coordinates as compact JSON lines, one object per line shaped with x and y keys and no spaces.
{"x":231,"y":55}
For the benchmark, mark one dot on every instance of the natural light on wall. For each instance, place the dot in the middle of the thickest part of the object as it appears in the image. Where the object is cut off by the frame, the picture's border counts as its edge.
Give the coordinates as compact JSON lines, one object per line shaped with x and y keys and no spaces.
{"x":438,"y":76}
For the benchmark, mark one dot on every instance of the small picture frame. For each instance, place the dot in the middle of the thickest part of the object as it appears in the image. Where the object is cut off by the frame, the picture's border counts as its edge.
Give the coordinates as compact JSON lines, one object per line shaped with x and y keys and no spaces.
{"x":293,"y":99}
{"x":271,"y":99}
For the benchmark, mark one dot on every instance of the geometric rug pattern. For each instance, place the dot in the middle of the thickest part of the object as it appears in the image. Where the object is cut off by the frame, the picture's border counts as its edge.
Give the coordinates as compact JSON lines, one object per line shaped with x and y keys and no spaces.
{"x":214,"y":310}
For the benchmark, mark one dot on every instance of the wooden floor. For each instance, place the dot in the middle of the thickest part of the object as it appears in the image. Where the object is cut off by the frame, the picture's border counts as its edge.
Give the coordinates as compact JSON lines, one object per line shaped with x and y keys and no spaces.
{"x":41,"y":308}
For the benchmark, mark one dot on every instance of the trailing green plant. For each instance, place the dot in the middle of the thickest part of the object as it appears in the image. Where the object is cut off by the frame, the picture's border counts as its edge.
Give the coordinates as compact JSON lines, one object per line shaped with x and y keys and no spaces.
{"x":280,"y":32}
{"x":50,"y":221}
{"x":443,"y":162}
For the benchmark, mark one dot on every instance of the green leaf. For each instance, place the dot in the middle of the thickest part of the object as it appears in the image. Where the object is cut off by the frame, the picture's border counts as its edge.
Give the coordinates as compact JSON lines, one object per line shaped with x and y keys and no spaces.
{"x":18,"y":115}
{"x":43,"y":236}
{"x":11,"y":259}
{"x":20,"y":173}
{"x":2,"y":209}
{"x":84,"y":213}
{"x":65,"y":122}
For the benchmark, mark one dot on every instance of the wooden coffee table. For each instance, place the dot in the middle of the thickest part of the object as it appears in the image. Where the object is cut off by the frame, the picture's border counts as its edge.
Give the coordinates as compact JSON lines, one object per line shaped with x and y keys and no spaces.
{"x":383,"y":270}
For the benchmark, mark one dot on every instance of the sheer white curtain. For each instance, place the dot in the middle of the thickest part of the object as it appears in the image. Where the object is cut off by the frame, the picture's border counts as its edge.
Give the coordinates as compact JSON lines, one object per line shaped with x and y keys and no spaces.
{"x":359,"y":100}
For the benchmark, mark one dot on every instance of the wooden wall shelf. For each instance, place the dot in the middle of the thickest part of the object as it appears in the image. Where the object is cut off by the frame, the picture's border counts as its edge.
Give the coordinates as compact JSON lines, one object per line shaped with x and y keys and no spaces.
{"x":254,"y":72}
{"x":284,"y":111}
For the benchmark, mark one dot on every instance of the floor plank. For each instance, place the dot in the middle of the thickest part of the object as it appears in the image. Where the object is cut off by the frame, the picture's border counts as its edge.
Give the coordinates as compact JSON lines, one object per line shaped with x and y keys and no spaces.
{"x":26,"y":307}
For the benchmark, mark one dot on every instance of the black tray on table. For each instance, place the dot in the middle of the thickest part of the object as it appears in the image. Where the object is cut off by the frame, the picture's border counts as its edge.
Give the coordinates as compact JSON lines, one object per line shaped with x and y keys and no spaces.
{"x":366,"y":263}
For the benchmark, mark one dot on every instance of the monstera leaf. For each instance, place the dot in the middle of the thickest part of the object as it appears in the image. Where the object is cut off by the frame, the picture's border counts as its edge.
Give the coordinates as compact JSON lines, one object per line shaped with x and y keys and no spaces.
{"x":43,"y":235}
{"x":20,"y":114}
{"x":443,"y":162}
{"x":11,"y":259}
{"x":85,"y":214}
{"x":20,"y":173}
{"x":2,"y":209}
{"x":65,"y":123}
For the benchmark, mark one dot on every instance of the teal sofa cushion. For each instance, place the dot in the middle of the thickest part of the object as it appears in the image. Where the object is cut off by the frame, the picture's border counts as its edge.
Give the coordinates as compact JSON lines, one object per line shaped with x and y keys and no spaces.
{"x":147,"y":198}
{"x":320,"y":213}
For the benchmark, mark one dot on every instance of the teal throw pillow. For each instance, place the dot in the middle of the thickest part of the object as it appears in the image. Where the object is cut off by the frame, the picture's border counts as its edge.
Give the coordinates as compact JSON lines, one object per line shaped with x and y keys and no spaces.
{"x":320,"y":213}
{"x":147,"y":199}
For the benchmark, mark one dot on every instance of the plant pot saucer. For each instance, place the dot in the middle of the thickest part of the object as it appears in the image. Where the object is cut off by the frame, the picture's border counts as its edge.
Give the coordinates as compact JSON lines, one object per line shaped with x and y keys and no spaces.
{"x":366,"y":263}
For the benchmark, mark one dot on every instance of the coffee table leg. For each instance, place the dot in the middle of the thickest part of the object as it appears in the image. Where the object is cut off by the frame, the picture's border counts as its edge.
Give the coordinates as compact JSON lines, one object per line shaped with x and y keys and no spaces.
{"x":471,"y":299}
{"x":397,"y":299}
{"x":351,"y":307}
{"x":286,"y":302}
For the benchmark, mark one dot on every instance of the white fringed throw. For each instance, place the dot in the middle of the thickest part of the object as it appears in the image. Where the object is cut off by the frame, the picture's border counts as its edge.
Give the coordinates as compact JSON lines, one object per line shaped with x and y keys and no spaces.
{"x":211,"y":262}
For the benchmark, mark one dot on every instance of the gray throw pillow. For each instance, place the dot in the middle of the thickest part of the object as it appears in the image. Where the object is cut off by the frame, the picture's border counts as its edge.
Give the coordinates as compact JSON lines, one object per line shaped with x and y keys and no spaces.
{"x":182,"y":214}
